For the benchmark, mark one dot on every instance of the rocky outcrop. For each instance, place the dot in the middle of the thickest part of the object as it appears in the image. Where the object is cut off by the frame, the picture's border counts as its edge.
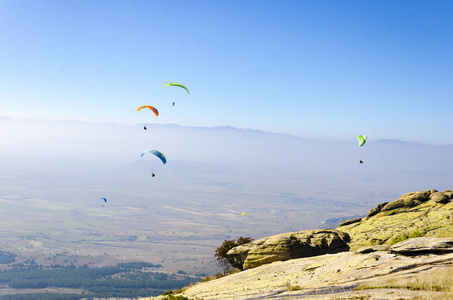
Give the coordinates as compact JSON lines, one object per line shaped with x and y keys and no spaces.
{"x":417,"y":214}
{"x":374,"y":211}
{"x":292,"y":245}
{"x":409,"y":200}
{"x":422,"y":222}
{"x":439,"y":197}
{"x":351,"y":221}
{"x":332,"y":276}
{"x":423,"y":245}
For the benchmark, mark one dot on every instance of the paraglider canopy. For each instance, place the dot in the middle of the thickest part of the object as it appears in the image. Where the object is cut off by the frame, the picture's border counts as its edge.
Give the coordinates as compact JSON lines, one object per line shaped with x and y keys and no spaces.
{"x":156,"y":153}
{"x":362,"y":140}
{"x":177,"y":84}
{"x":150,"y":107}
{"x":105,"y":200}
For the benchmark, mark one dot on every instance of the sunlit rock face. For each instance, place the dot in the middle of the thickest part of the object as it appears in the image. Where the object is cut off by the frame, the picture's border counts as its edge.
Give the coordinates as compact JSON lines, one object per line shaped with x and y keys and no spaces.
{"x":292,"y":245}
{"x":333,"y":276}
{"x":418,"y":214}
{"x":410,"y":238}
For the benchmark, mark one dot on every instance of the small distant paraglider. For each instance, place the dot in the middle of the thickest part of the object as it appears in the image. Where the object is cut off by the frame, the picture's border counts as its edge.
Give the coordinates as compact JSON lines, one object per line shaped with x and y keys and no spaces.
{"x":362,"y":140}
{"x":105,"y":201}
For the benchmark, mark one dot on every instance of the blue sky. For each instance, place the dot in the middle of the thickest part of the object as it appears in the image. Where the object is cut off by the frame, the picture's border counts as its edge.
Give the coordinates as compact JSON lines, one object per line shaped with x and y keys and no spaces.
{"x":321,"y":69}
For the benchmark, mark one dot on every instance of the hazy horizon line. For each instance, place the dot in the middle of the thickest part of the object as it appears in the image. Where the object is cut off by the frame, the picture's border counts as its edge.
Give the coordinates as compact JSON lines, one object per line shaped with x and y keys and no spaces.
{"x":382,"y":140}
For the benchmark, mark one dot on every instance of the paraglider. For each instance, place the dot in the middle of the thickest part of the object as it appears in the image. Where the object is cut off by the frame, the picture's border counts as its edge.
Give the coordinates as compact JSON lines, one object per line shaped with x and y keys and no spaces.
{"x":177,"y":84}
{"x":105,"y":201}
{"x":362,"y":140}
{"x":150,"y":107}
{"x":158,"y":154}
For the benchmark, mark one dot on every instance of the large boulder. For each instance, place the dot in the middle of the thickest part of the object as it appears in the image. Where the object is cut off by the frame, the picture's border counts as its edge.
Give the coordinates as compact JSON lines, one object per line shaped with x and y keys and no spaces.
{"x":423,"y":245}
{"x":424,"y":213}
{"x":409,"y":200}
{"x":439,"y":197}
{"x":292,"y":245}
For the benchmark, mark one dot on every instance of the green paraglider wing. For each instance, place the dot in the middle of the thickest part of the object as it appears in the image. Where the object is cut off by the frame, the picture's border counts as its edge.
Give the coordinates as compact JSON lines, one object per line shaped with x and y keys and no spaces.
{"x":156,"y":153}
{"x":362,"y":140}
{"x":177,"y":84}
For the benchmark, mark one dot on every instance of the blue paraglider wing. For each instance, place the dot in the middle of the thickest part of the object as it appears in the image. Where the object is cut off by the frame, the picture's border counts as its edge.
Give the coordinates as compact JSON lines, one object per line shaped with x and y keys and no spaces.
{"x":156,"y":153}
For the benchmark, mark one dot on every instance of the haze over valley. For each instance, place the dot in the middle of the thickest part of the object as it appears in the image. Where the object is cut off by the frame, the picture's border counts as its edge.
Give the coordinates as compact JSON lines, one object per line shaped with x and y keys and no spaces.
{"x":52,"y":186}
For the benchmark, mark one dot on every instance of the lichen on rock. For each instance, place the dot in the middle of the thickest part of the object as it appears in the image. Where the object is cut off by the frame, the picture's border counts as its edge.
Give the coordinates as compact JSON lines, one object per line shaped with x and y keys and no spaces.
{"x":292,"y":245}
{"x":427,"y":213}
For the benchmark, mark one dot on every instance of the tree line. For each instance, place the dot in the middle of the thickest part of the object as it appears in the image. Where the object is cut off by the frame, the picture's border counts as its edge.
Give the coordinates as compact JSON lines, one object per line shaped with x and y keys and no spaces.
{"x":125,"y":280}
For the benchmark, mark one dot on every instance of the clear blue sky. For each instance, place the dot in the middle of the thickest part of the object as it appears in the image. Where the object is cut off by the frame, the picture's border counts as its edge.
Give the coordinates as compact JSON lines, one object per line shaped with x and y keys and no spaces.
{"x":325,"y":69}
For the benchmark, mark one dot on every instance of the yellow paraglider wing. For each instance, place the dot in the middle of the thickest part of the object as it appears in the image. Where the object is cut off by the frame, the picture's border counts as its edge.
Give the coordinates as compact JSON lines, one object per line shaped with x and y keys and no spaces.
{"x":177,"y":84}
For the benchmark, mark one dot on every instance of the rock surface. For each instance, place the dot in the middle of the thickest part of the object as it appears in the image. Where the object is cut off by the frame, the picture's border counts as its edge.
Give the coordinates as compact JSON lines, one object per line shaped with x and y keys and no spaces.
{"x":292,"y":245}
{"x":369,"y":249}
{"x":329,"y":276}
{"x":351,"y":221}
{"x":374,"y":211}
{"x":425,"y":213}
{"x":439,"y":197}
{"x":423,"y":245}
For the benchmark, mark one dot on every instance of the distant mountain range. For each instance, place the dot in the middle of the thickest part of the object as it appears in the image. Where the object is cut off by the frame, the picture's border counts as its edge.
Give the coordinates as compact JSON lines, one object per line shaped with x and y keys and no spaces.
{"x":392,"y":161}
